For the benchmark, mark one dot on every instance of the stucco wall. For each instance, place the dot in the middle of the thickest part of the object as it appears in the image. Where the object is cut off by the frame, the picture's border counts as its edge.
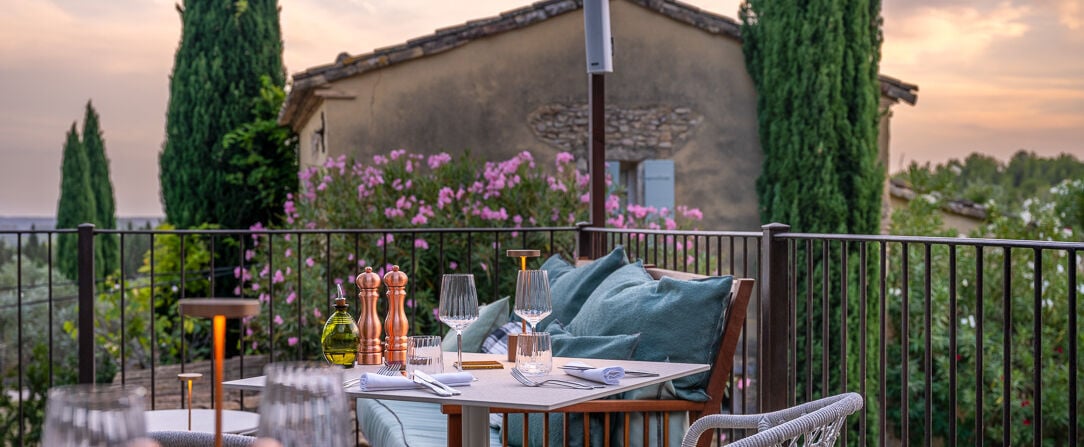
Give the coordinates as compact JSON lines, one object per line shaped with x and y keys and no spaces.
{"x":478,"y":97}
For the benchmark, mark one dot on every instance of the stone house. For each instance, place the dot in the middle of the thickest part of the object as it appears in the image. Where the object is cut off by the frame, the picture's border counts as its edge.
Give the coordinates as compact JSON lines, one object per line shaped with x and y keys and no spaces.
{"x":680,"y":106}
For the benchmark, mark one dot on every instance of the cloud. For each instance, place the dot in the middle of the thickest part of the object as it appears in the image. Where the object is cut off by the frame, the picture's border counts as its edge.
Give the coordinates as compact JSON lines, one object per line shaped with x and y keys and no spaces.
{"x":950,"y":32}
{"x":1070,"y":13}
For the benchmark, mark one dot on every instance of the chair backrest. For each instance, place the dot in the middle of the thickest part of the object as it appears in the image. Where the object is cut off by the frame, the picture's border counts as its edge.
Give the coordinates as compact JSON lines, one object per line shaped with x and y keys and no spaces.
{"x":173,"y":438}
{"x":812,"y":424}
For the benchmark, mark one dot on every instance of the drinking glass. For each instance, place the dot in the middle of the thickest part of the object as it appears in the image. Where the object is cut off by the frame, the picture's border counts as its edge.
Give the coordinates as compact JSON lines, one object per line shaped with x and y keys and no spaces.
{"x":94,"y":416}
{"x":534,"y":354}
{"x":304,"y":404}
{"x":458,"y":307}
{"x":424,"y":353}
{"x":533,"y":296}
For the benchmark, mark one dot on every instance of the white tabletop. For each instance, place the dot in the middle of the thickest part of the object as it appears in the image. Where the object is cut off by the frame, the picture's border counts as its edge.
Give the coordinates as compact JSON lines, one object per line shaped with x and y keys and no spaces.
{"x":497,"y":388}
{"x":233,"y":421}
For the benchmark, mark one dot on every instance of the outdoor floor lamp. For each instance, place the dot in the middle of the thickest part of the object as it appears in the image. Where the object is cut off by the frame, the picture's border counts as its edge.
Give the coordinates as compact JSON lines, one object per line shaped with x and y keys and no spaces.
{"x":218,"y":309}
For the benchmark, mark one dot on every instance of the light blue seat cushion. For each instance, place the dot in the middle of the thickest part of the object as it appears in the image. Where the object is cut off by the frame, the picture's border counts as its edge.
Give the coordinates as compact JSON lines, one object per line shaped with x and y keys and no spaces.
{"x":490,"y":316}
{"x":570,"y":286}
{"x":678,"y":321}
{"x":396,"y":423}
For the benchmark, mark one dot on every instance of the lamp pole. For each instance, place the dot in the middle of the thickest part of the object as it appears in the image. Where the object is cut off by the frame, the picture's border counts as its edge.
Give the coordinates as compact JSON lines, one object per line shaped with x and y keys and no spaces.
{"x":597,"y":130}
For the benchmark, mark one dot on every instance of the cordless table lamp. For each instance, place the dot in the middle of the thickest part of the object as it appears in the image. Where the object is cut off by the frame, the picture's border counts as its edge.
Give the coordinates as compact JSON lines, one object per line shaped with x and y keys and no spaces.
{"x":218,"y":309}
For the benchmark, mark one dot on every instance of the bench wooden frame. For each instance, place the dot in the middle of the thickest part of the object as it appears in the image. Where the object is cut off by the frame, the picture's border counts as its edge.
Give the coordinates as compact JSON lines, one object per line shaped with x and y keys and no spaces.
{"x":718,"y":381}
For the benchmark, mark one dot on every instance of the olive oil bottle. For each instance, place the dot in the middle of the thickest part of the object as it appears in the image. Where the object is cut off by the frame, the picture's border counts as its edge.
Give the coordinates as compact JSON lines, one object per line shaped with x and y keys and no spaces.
{"x":340,"y":338}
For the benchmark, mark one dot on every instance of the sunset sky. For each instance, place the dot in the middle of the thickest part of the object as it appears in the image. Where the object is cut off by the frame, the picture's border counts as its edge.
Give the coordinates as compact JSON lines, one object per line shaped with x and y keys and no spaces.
{"x":994,"y":76}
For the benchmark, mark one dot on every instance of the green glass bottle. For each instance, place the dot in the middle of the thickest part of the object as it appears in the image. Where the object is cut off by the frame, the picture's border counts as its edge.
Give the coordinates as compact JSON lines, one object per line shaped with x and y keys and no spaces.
{"x":340,"y":338}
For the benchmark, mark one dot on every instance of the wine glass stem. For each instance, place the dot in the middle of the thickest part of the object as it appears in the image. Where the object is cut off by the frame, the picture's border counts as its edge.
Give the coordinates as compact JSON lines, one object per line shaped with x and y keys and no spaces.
{"x":459,"y":349}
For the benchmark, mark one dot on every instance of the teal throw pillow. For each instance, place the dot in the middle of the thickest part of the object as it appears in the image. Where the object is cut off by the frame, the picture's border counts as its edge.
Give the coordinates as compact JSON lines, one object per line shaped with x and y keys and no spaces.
{"x":570,"y":286}
{"x":678,"y":321}
{"x":490,"y":317}
{"x":613,"y":347}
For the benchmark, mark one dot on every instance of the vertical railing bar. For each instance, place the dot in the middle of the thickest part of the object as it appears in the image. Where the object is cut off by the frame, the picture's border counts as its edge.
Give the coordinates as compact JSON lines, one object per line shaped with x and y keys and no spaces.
{"x":696,"y":255}
{"x":255,"y":280}
{"x":719,"y":256}
{"x":1073,"y":435}
{"x":183,"y":290}
{"x":414,"y":284}
{"x":271,"y":298}
{"x":470,"y":256}
{"x":905,"y":342}
{"x":357,"y":271}
{"x":809,"y":320}
{"x":496,"y":265}
{"x":49,"y":263}
{"x":1006,"y":346}
{"x":863,"y":294}
{"x":154,"y":337}
{"x":882,"y":373}
{"x":440,"y":253}
{"x":928,"y":355}
{"x":844,"y":311}
{"x":19,"y":331}
{"x":329,"y":295}
{"x":979,"y":314}
{"x":214,"y":273}
{"x":954,"y":358}
{"x":731,"y":251}
{"x":684,"y":250}
{"x":826,"y":278}
{"x":300,"y":256}
{"x":793,"y":249}
{"x":1037,"y":352}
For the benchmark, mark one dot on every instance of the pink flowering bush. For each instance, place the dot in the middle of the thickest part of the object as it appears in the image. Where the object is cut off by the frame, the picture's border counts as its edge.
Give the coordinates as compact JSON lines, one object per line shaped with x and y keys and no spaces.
{"x":411,"y":195}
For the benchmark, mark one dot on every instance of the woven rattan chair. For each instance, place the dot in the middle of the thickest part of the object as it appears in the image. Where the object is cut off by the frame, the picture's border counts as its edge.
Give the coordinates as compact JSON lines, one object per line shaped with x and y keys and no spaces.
{"x":813,"y":424}
{"x":198,"y":439}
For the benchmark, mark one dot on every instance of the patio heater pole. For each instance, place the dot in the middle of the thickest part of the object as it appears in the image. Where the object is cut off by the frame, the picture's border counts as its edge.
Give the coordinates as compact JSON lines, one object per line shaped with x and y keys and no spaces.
{"x":599,"y":48}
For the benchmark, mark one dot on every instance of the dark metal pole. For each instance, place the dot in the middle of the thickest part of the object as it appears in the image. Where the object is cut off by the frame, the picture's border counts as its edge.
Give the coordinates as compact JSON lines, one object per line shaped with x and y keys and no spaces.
{"x":597,"y":94}
{"x":86,"y":303}
{"x":774,"y":329}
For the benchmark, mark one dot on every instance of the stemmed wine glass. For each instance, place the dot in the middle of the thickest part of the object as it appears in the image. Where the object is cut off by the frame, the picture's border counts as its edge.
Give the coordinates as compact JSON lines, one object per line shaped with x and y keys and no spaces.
{"x":533,"y":296}
{"x":458,"y":307}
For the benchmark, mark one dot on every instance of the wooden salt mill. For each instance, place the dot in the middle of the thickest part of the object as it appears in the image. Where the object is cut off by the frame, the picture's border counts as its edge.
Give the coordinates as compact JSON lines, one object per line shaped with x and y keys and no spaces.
{"x":396,"y":323}
{"x":370,"y":350}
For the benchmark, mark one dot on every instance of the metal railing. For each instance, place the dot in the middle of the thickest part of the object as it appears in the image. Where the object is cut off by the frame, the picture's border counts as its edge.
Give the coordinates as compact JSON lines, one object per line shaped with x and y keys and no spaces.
{"x":941,"y":335}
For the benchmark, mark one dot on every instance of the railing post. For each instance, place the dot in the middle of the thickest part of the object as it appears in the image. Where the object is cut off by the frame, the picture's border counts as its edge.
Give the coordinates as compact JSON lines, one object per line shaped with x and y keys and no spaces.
{"x":86,"y":303}
{"x":775,"y":320}
{"x":585,"y":241}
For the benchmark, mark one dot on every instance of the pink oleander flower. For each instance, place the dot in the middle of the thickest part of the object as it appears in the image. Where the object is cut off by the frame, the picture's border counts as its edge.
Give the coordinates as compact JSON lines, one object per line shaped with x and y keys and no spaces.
{"x":310,"y":262}
{"x":421,"y":243}
{"x":438,"y":160}
{"x":254,"y":345}
{"x":291,"y":341}
{"x":291,"y":297}
{"x":452,"y":265}
{"x":278,"y":320}
{"x":564,"y":158}
{"x":264,"y":298}
{"x":444,"y":197}
{"x":397,"y":153}
{"x":237,"y":291}
{"x":255,"y":286}
{"x":288,"y":252}
{"x":585,"y":198}
{"x":670,"y":224}
{"x":316,"y":312}
{"x":266,"y":271}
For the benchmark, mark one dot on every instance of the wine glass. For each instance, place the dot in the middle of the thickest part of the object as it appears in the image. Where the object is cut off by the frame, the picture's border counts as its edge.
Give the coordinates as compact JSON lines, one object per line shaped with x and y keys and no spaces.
{"x":533,"y":296}
{"x":304,"y":404}
{"x":94,"y":415}
{"x":458,"y":307}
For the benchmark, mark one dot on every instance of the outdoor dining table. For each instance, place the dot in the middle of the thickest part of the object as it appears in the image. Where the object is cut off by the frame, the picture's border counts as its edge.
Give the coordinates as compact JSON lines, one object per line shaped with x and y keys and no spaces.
{"x":496,"y":388}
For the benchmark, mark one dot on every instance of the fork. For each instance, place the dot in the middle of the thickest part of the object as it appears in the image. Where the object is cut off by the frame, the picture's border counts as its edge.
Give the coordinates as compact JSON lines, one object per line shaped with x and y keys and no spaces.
{"x":390,"y":369}
{"x":565,"y":383}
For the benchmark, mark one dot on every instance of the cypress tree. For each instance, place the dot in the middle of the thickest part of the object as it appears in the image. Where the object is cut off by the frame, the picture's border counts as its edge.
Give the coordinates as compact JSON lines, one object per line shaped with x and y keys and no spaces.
{"x":225,"y":47}
{"x":815,"y":65}
{"x":76,"y":205}
{"x":106,"y":252}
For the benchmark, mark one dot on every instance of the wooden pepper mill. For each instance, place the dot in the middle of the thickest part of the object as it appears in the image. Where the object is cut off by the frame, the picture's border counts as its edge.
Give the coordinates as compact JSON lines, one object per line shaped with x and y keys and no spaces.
{"x":396,"y":323}
{"x":370,"y":350}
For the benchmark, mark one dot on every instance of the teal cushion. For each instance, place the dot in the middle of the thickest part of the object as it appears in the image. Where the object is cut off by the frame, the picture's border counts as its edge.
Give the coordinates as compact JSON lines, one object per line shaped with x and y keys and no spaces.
{"x":404,"y":423}
{"x":614,"y":347}
{"x":490,"y":316}
{"x":571,"y":286}
{"x":678,"y":321}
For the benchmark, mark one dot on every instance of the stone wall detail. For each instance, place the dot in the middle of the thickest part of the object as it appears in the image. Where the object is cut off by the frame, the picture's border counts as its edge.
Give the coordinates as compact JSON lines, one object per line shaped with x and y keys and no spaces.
{"x":632,"y":133}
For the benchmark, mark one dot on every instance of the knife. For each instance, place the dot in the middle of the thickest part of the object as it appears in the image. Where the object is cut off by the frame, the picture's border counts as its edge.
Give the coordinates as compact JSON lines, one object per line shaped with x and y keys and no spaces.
{"x":430,"y":379}
{"x":628,"y":373}
{"x":436,"y":389}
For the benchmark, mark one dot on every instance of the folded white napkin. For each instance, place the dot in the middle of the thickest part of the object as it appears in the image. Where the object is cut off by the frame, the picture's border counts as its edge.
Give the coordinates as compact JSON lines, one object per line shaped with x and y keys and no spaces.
{"x":609,"y":375}
{"x":377,"y":382}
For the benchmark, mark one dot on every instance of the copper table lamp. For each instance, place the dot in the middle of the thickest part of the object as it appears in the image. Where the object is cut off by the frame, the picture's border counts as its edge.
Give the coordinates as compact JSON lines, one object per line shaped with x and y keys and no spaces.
{"x":218,"y":309}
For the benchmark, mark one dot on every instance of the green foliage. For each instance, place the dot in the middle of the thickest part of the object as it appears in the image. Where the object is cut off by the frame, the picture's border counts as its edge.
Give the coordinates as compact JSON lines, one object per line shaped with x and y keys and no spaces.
{"x":76,"y":205}
{"x":1039,"y":220}
{"x":294,"y":274}
{"x":106,"y":254}
{"x":225,"y":49}
{"x":984,"y":180}
{"x":263,"y":169}
{"x":815,"y":67}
